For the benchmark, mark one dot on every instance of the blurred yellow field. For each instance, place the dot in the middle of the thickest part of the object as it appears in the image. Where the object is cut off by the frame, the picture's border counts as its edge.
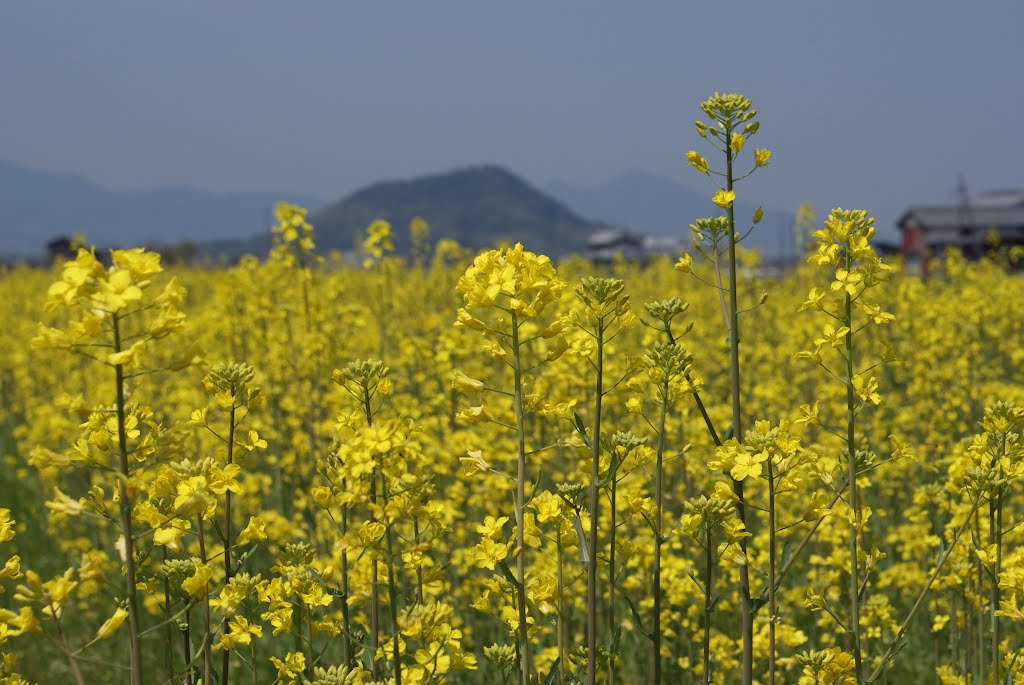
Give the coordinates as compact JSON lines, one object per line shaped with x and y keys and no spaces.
{"x":310,"y":470}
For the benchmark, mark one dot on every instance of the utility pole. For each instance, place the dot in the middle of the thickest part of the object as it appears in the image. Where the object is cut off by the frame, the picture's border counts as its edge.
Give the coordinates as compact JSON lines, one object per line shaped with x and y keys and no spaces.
{"x":966,"y":216}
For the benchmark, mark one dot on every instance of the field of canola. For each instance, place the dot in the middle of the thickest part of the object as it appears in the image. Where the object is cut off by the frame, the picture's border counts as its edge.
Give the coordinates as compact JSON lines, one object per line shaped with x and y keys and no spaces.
{"x":307,"y":470}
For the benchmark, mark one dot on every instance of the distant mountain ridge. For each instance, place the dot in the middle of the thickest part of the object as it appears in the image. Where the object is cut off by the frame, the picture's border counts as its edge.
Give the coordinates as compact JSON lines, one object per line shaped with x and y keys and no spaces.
{"x":37,"y":206}
{"x":659,"y":206}
{"x":478,"y":206}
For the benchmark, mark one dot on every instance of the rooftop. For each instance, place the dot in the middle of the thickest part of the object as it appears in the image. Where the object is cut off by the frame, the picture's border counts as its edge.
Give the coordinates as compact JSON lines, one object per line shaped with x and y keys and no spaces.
{"x":1002,"y":210}
{"x":1000,"y":199}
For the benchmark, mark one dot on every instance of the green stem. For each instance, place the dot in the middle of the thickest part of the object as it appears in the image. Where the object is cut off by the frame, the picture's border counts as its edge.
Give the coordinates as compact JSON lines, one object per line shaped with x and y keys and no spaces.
{"x":392,"y":588}
{"x":851,"y":453}
{"x":801,"y":545}
{"x":126,"y":517}
{"x":996,"y":523}
{"x":346,"y":645}
{"x":168,"y":652}
{"x":772,"y":608}
{"x":659,"y":490}
{"x":226,"y":658}
{"x":610,"y":609}
{"x":68,"y":651}
{"x":996,"y":598}
{"x":595,"y":477}
{"x":520,"y":498}
{"x":374,"y":585}
{"x":186,"y":637}
{"x":309,"y":641}
{"x":696,"y":395}
{"x":980,"y":621}
{"x":708,"y":578}
{"x":419,"y":567}
{"x":562,"y":655}
{"x":746,"y":609}
{"x":207,"y":656}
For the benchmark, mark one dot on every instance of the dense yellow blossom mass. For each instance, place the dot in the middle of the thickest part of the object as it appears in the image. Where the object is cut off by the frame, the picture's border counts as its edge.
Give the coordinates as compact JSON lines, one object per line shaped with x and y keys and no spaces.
{"x":458,"y":468}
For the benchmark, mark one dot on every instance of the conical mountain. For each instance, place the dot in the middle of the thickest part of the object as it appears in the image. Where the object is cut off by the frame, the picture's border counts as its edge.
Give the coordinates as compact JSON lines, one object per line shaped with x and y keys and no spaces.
{"x":477,"y":206}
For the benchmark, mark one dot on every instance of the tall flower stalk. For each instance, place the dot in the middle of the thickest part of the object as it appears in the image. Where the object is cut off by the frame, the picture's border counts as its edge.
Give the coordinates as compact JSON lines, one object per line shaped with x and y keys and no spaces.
{"x":732,"y":122}
{"x":605,"y":303}
{"x":668,"y":370}
{"x":516,"y":285}
{"x":711,"y":521}
{"x":844,"y":249}
{"x":368,"y":383}
{"x":231,"y":387}
{"x":119,"y":320}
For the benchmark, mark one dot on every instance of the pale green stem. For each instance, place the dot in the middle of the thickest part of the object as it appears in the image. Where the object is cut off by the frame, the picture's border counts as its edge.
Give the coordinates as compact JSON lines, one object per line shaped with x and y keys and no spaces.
{"x":207,"y":656}
{"x":392,"y":588}
{"x":346,"y":645}
{"x":126,"y":503}
{"x":562,"y":654}
{"x":72,"y":661}
{"x":659,"y":490}
{"x":772,"y":608}
{"x":709,"y":567}
{"x":746,"y":609}
{"x":309,"y":640}
{"x":226,"y":659}
{"x":374,"y":584}
{"x":595,"y":477}
{"x":610,"y":609}
{"x":851,"y":453}
{"x":525,"y":660}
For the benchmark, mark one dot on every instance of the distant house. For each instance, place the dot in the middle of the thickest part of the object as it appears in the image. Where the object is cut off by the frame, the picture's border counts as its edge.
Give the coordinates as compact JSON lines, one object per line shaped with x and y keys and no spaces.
{"x":604,"y":245}
{"x":667,"y":246}
{"x":930,"y":230}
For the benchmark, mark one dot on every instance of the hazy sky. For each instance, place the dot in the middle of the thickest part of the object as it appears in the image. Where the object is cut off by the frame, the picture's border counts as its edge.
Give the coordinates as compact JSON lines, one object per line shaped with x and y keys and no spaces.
{"x":865,"y":104}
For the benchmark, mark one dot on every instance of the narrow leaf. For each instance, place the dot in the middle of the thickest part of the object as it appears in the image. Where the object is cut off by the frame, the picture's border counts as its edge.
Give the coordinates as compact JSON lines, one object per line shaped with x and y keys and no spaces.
{"x":581,"y":540}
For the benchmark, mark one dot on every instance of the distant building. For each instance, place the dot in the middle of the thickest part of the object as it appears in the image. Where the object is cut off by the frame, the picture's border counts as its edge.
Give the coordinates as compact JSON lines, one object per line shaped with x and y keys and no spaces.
{"x":667,"y":246}
{"x":929,"y":231}
{"x":603,"y":246}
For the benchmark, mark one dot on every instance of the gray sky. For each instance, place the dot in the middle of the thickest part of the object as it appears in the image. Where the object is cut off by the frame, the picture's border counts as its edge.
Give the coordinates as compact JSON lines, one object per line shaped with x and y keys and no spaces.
{"x":864,"y":104}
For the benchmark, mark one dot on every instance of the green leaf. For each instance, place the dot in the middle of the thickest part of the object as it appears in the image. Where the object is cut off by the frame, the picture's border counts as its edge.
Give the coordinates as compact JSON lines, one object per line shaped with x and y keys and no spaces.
{"x":636,"y":618}
{"x":696,"y":582}
{"x":581,"y":429}
{"x":507,"y":572}
{"x":553,"y":672}
{"x":612,"y":471}
{"x":581,"y":539}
